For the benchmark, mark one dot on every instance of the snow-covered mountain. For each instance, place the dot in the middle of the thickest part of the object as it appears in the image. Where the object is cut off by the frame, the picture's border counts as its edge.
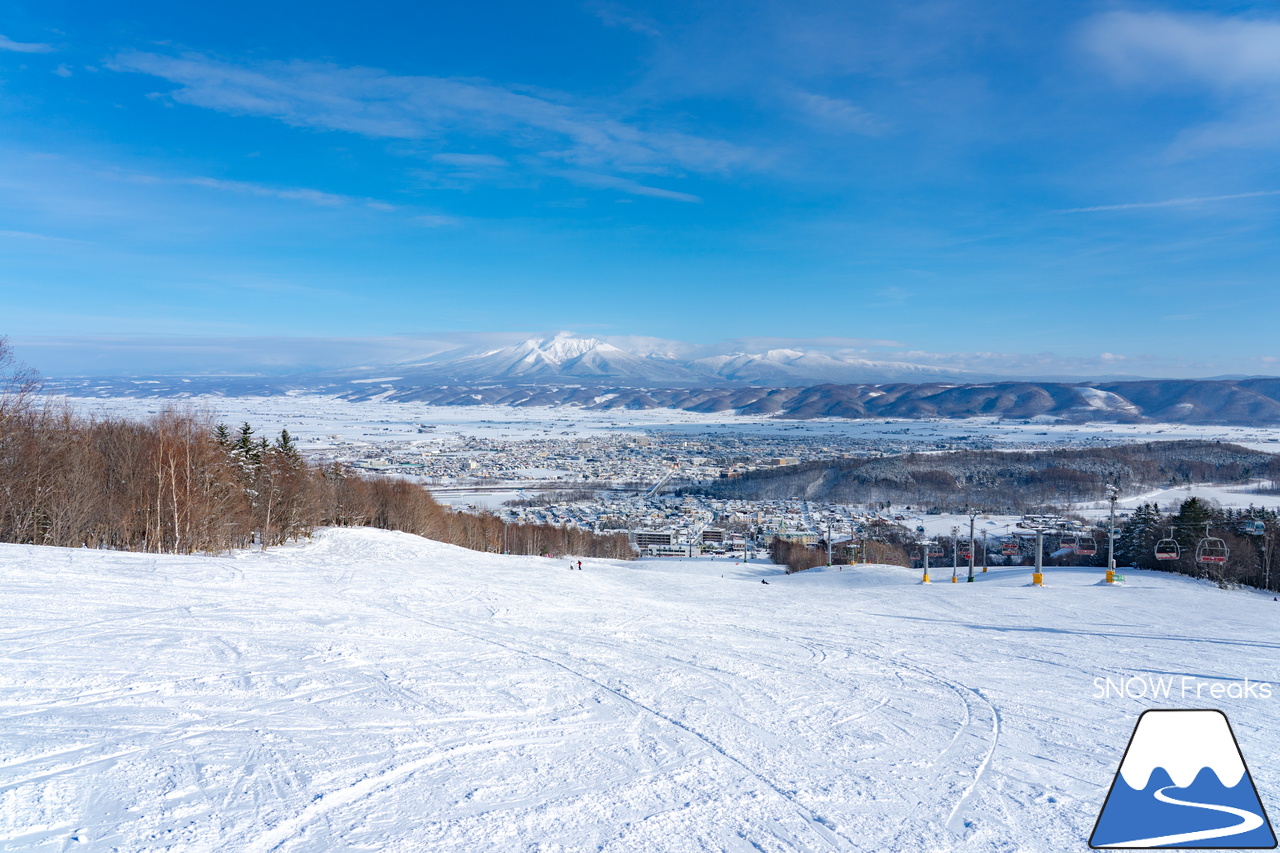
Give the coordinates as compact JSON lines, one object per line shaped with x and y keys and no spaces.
{"x":563,"y":357}
{"x":568,"y":357}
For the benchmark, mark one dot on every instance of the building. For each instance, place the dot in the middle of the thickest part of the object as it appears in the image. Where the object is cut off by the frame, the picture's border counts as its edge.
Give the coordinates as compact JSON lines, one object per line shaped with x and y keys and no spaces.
{"x":676,"y":550}
{"x":645,"y":538}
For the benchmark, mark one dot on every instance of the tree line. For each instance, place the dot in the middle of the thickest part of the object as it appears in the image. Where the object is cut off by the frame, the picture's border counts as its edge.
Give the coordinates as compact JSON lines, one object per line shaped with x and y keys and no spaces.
{"x":1250,"y":563}
{"x":1004,"y":481}
{"x":176,"y":483}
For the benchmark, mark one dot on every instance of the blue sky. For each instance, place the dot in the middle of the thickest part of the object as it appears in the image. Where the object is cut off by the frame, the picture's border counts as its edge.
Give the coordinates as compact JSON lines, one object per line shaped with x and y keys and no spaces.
{"x":1051,"y":187}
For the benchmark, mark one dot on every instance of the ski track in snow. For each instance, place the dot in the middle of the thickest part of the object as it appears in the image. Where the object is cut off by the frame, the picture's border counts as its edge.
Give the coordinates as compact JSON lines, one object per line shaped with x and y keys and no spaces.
{"x":372,"y":690}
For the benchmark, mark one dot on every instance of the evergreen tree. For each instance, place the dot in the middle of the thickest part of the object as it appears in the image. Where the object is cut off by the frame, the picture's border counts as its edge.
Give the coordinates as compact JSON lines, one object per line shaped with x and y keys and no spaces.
{"x":288,"y":450}
{"x":1193,"y":519}
{"x":1135,"y":546}
{"x":246,"y":449}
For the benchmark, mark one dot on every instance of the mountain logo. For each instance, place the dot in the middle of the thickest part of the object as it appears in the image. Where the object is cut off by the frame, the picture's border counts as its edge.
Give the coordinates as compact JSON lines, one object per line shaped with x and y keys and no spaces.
{"x":1183,"y":785}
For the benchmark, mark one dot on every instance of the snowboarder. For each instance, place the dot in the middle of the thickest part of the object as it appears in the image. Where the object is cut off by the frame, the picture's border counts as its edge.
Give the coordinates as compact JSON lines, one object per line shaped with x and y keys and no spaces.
{"x":579,"y":565}
{"x":763,"y":581}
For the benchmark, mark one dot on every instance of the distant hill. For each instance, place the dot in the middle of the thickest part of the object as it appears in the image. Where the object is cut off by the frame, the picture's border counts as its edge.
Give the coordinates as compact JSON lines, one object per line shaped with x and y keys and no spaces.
{"x":1245,"y":402}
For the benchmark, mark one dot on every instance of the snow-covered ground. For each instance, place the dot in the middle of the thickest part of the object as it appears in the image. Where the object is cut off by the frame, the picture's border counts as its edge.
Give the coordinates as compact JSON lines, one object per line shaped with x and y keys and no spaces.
{"x":319,"y":417}
{"x":370,"y":690}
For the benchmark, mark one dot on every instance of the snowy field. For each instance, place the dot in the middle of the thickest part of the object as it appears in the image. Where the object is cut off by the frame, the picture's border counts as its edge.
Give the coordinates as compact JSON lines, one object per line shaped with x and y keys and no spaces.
{"x":317,"y":418}
{"x":375,"y":691}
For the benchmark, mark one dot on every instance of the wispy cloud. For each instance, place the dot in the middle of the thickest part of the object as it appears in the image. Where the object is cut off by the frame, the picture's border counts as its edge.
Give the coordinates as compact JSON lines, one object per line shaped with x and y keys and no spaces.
{"x":626,"y":185}
{"x":1052,"y":364}
{"x":202,"y":353}
{"x":435,"y":220}
{"x":1171,"y":202}
{"x":375,"y":103}
{"x":30,"y":235}
{"x":757,"y":344}
{"x":316,"y":197}
{"x":1167,"y":48}
{"x":319,"y":198}
{"x":1235,"y":59}
{"x":471,"y":161}
{"x":838,"y":114}
{"x":24,"y":47}
{"x":616,"y":15}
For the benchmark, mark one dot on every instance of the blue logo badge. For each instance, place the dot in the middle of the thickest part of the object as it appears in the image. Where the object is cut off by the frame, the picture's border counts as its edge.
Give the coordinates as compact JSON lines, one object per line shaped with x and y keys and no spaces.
{"x":1183,"y":785}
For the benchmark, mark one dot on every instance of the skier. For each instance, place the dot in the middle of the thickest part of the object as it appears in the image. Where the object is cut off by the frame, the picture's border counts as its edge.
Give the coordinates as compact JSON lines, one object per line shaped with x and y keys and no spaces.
{"x":579,"y":565}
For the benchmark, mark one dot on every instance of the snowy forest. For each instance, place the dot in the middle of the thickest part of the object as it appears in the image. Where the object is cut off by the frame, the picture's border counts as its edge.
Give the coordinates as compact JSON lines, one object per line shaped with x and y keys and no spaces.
{"x":177,"y":483}
{"x":1004,"y":481}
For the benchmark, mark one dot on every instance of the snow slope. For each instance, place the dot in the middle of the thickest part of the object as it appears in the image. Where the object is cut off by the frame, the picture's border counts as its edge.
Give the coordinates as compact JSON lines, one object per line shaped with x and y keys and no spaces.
{"x":375,"y":691}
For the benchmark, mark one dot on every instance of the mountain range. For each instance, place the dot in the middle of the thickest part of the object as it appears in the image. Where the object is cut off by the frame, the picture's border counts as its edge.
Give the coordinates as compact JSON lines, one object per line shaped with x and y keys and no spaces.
{"x":566,"y":370}
{"x":566,"y":357}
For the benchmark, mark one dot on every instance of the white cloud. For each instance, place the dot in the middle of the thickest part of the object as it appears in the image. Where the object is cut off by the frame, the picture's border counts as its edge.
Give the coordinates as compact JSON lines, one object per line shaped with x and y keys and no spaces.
{"x":375,"y":103}
{"x":24,"y":47}
{"x":1234,"y":59}
{"x":1166,"y":48}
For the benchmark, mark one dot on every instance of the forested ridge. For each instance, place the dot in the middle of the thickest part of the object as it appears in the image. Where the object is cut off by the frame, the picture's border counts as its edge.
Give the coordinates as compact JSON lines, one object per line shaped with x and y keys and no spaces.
{"x":1005,"y":481}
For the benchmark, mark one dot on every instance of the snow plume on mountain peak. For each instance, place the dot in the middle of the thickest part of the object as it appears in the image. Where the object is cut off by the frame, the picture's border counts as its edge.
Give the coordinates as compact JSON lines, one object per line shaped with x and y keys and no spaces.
{"x":557,"y":349}
{"x":566,"y":345}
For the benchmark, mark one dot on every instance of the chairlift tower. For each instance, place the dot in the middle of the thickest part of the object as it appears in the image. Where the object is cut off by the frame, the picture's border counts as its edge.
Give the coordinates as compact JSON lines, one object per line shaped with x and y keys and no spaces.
{"x":974,"y":513}
{"x":1041,"y":524}
{"x":1113,"y":495}
{"x":955,"y":554}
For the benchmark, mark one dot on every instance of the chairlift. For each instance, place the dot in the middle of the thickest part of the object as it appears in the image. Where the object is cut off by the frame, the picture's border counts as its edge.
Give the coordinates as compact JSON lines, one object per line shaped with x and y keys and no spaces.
{"x":1009,"y":548}
{"x":1069,"y":541}
{"x":1086,"y":546}
{"x":935,"y":550}
{"x":1168,"y":548}
{"x":1212,"y":551}
{"x":1254,"y":528}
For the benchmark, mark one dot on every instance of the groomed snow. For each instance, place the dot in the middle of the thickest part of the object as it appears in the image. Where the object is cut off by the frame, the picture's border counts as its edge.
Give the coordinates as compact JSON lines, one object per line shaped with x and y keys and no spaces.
{"x":375,"y":691}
